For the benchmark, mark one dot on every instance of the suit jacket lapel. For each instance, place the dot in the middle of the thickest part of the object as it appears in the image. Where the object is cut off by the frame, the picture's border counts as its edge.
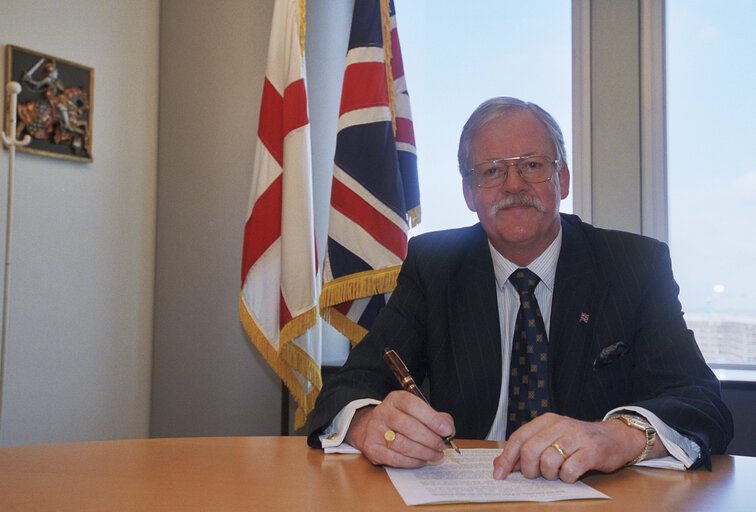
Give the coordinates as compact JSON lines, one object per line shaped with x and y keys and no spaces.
{"x":578,"y":296}
{"x":474,"y":332}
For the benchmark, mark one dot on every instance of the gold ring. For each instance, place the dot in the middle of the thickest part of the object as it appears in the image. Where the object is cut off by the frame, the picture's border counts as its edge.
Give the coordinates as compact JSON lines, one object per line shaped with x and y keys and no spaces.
{"x":389,"y":436}
{"x":559,"y":449}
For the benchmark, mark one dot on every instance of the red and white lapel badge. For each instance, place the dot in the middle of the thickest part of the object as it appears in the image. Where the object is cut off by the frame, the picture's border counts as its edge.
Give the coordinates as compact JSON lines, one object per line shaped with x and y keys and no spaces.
{"x":584,"y":317}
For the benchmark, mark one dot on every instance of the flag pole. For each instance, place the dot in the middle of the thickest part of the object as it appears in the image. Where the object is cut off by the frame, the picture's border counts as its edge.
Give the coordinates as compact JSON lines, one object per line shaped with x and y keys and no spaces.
{"x":10,"y":140}
{"x":284,"y":409}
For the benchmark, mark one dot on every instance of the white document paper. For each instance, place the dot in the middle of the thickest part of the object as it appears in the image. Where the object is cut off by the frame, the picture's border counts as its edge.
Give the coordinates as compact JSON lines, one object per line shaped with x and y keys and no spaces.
{"x":469,"y":478}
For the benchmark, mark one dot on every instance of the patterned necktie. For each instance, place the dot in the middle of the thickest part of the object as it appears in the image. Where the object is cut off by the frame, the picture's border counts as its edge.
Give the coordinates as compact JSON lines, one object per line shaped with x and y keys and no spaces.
{"x":528,"y":377}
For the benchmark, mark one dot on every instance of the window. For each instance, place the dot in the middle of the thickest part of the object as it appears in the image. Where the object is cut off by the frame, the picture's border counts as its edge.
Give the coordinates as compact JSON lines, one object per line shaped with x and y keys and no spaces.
{"x":711,"y":109}
{"x":455,"y":58}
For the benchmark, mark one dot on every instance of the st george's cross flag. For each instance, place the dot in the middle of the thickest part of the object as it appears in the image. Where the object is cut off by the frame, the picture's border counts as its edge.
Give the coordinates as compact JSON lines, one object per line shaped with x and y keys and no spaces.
{"x":278,"y":299}
{"x":374,"y":194}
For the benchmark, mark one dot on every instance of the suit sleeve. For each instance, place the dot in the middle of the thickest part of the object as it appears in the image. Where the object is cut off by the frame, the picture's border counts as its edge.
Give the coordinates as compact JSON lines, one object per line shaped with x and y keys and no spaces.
{"x":401,"y":326}
{"x":671,"y":378}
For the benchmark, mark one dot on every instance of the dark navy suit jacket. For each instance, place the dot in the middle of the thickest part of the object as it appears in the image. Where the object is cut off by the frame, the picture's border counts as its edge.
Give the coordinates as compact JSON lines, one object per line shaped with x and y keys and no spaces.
{"x":613,"y":292}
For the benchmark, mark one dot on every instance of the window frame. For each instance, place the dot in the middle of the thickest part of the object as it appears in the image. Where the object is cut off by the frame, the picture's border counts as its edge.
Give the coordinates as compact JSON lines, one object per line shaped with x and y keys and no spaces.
{"x":590,"y":176}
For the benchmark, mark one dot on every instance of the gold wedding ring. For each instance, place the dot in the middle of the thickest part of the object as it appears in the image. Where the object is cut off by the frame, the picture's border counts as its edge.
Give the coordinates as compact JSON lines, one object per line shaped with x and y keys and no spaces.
{"x":389,"y":436}
{"x":559,"y":449}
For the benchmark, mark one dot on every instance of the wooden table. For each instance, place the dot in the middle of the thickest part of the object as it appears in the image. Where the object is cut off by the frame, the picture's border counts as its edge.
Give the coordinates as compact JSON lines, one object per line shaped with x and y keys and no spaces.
{"x":282,"y":473}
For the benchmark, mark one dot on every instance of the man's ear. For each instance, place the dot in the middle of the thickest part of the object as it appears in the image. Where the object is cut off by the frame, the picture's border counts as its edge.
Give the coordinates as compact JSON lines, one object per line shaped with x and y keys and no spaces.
{"x":468,"y":191}
{"x":564,"y":181}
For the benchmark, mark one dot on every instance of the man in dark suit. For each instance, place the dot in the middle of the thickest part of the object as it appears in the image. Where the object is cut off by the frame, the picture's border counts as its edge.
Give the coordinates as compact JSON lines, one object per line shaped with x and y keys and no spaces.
{"x":626,"y":381}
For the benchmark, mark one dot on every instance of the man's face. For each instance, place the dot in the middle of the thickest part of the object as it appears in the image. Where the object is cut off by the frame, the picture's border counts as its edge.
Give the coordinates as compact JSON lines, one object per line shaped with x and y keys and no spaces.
{"x":518,"y":232}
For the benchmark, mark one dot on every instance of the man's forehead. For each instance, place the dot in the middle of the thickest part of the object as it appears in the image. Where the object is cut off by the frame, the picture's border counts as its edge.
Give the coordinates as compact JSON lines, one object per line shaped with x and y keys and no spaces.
{"x":519,"y":132}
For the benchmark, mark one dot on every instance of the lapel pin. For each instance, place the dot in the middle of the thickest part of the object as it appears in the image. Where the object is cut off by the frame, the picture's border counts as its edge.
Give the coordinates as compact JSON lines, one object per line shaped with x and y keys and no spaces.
{"x":584,"y":317}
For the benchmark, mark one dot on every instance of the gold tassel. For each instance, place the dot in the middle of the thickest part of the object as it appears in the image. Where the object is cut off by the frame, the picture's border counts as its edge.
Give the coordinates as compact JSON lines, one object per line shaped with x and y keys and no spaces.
{"x":387,"y":56}
{"x":353,"y":331}
{"x":302,"y":362}
{"x":298,"y":325}
{"x":285,"y":362}
{"x":300,"y":415}
{"x":414,"y":216}
{"x":359,"y":285}
{"x":351,"y":287}
{"x":302,"y":25}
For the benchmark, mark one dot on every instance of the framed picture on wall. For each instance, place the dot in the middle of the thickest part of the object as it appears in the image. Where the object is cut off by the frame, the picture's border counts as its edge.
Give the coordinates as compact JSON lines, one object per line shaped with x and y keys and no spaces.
{"x":54,"y":106}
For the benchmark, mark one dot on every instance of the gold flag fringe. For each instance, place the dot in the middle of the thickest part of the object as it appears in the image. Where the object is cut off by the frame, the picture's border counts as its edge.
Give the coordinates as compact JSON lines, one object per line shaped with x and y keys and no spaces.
{"x":414,"y":215}
{"x":352,"y":330}
{"x":298,"y":325}
{"x":359,"y":285}
{"x":288,"y":359}
{"x":351,"y":287}
{"x":387,"y":56}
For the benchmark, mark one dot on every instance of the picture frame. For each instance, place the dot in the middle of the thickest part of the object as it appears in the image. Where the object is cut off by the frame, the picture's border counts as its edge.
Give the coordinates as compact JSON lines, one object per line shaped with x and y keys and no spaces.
{"x":55,"y":104}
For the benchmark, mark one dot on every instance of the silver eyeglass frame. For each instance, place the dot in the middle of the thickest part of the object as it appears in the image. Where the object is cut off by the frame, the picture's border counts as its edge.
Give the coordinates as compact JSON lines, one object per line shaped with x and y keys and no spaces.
{"x":509,"y":162}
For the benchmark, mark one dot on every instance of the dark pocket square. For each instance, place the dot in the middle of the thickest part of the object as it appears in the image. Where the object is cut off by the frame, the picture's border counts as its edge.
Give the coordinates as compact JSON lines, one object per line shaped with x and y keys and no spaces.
{"x":611,"y":353}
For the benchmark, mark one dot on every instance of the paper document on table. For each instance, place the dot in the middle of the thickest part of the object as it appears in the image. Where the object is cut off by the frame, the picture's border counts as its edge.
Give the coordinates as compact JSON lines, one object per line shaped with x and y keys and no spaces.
{"x":469,"y":478}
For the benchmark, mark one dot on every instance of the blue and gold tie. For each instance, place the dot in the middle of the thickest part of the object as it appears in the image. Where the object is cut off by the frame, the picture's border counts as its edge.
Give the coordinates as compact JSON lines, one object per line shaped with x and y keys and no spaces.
{"x":528,"y":376}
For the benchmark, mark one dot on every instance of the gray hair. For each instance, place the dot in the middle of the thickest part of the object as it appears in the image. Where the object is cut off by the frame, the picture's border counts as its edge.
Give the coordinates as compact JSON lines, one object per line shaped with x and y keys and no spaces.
{"x":502,"y":106}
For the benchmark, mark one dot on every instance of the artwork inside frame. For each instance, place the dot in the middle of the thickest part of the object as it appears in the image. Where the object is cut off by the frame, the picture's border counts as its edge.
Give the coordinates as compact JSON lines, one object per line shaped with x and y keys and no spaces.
{"x":55,"y":104}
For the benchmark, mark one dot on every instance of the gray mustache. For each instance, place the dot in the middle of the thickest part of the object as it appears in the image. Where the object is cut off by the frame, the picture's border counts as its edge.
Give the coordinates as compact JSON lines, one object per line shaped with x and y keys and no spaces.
{"x":517,"y":200}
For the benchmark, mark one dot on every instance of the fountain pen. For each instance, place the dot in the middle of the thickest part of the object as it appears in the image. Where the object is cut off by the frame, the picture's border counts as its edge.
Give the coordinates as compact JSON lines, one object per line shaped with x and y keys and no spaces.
{"x":408,"y":383}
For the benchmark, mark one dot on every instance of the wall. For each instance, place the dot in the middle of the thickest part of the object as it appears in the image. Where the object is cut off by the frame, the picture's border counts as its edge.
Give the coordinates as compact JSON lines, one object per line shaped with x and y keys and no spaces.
{"x":77,"y":356}
{"x":208,"y":379}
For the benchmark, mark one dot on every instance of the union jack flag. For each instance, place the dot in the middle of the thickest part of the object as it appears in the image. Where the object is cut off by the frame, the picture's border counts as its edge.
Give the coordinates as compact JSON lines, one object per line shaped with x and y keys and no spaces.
{"x":375,"y":194}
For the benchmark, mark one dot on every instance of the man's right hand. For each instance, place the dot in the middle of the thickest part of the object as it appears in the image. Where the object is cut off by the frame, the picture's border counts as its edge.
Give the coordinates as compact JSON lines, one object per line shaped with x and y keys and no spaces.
{"x":418,"y":428}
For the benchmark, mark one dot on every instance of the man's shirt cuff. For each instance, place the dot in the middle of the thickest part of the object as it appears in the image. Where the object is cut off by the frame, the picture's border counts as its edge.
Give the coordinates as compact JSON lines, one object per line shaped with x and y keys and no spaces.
{"x":683,"y":452}
{"x":332,"y":438}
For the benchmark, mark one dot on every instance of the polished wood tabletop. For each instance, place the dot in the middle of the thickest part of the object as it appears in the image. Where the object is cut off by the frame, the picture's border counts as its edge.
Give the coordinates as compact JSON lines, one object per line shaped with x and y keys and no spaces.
{"x":282,"y":473}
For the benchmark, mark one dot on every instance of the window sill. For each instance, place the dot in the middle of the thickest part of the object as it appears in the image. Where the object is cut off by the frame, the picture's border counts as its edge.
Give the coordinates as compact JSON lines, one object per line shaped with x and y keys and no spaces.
{"x":735,"y":375}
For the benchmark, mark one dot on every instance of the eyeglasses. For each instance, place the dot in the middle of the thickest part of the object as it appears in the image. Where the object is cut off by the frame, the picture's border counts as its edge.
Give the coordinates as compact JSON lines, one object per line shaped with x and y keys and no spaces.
{"x":532,"y":169}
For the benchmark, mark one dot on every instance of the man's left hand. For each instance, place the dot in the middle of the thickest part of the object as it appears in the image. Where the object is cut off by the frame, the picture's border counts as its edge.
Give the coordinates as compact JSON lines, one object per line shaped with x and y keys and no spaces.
{"x":603,"y":446}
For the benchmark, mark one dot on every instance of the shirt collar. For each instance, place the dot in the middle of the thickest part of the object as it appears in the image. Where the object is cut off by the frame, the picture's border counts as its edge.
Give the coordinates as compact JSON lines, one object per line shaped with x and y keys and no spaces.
{"x":544,"y":266}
